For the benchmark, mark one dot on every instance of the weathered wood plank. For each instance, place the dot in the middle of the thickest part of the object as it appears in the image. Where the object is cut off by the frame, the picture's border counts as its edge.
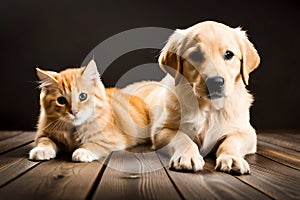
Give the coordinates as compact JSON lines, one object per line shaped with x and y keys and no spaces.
{"x":274,"y":174}
{"x":15,"y":163}
{"x":281,"y":139}
{"x":279,"y":154}
{"x":8,"y":134}
{"x":210,"y":184}
{"x":289,"y":133}
{"x":135,"y":176}
{"x":16,"y":141}
{"x":293,"y":135}
{"x":272,"y":178}
{"x":54,"y":179}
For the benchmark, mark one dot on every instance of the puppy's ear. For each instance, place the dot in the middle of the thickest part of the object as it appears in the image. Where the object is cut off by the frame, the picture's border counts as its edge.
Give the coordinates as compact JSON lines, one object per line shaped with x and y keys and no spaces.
{"x":170,"y":57}
{"x":250,"y":57}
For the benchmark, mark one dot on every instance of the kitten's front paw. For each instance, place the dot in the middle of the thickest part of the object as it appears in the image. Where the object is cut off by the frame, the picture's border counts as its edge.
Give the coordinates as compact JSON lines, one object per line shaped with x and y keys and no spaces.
{"x":42,"y":153}
{"x":232,"y":164}
{"x":83,"y":155}
{"x":188,"y":160}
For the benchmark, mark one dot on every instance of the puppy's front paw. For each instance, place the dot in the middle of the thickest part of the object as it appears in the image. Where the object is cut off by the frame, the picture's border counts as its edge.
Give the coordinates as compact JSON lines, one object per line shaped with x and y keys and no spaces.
{"x":42,"y":153}
{"x":187,"y":160}
{"x":232,"y":164}
{"x":83,"y":155}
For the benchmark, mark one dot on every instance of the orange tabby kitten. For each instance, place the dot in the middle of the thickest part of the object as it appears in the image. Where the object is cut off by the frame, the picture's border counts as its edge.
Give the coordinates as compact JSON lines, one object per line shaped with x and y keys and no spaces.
{"x":79,"y":115}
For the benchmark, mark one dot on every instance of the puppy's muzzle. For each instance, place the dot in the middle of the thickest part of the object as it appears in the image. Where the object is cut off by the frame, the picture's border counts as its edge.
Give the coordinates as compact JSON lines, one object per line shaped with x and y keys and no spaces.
{"x":215,"y":87}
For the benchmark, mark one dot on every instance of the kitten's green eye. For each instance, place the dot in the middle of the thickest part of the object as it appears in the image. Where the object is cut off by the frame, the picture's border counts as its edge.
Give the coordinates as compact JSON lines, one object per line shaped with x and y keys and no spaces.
{"x":62,"y":100}
{"x":82,"y":96}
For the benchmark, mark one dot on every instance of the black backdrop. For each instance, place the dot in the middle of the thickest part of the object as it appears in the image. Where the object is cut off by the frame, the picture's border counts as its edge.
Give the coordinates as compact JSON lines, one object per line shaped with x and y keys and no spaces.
{"x":56,"y":34}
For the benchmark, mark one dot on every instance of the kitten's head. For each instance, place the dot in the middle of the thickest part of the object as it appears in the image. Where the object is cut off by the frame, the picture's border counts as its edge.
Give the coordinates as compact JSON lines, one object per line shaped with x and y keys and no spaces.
{"x":69,"y":96}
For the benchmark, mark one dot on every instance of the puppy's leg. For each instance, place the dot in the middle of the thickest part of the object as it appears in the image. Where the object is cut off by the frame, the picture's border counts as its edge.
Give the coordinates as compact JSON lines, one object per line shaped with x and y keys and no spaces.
{"x":45,"y":149}
{"x":185,"y":154}
{"x":230,"y":154}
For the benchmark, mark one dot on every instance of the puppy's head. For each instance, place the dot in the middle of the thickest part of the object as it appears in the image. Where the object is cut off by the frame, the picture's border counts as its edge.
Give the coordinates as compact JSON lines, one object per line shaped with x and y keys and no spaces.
{"x":212,"y":57}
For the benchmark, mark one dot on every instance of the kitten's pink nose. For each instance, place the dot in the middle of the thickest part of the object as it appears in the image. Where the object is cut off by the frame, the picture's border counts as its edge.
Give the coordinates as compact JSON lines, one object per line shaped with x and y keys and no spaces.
{"x":74,"y":112}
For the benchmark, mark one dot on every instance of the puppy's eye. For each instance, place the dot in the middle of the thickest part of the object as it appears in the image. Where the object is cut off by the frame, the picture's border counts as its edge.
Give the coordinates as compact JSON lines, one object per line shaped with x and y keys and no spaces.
{"x":82,"y":96}
{"x":228,"y":55}
{"x":196,"y":56}
{"x":62,"y":100}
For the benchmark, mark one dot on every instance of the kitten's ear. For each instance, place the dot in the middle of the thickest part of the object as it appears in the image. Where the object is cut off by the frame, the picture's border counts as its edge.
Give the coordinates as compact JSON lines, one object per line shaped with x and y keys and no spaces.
{"x":90,"y":72}
{"x":47,"y":77}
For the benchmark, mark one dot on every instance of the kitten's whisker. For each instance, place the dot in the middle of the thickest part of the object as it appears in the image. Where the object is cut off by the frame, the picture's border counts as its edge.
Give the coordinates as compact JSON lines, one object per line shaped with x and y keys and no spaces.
{"x":64,"y":124}
{"x":59,"y":125}
{"x":49,"y":127}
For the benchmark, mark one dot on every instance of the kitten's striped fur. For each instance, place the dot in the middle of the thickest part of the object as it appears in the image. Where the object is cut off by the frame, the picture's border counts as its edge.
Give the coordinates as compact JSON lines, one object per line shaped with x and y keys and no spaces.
{"x":105,"y":121}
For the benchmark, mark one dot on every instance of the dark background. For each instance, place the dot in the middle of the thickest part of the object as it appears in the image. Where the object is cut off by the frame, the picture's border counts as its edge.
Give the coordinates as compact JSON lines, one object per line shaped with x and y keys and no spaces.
{"x":57,"y":34}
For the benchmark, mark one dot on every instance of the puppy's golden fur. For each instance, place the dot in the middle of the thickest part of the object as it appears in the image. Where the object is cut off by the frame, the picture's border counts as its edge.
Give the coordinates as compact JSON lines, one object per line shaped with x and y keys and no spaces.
{"x":183,"y":115}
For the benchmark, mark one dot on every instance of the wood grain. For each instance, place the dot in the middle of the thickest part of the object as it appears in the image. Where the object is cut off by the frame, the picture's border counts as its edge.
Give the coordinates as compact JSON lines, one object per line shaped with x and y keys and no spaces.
{"x":274,"y":179}
{"x":8,"y":134}
{"x":54,"y":179}
{"x":14,"y":142}
{"x":142,"y":174}
{"x":210,"y":184}
{"x":283,"y":140}
{"x":282,"y":155}
{"x":135,"y":176}
{"x":15,"y":163}
{"x":291,"y":134}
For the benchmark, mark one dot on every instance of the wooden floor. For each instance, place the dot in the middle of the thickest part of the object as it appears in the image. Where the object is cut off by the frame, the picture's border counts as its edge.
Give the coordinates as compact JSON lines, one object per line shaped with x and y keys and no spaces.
{"x":275,"y":174}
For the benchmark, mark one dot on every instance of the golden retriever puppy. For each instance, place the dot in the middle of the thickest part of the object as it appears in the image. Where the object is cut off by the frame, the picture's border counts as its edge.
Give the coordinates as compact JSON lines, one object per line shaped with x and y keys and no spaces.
{"x":202,"y":103}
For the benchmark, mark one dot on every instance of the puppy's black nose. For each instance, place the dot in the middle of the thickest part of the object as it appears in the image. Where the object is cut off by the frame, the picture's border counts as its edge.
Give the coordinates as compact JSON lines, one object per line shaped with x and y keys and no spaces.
{"x":215,"y":86}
